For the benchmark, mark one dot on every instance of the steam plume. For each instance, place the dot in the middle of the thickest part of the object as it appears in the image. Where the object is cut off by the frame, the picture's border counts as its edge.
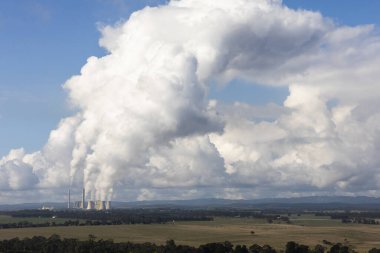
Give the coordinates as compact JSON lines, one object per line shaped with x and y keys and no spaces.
{"x":145,"y":122}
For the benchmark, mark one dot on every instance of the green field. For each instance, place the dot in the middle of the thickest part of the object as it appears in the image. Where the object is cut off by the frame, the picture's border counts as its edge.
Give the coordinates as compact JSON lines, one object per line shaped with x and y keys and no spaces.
{"x":306,"y":229}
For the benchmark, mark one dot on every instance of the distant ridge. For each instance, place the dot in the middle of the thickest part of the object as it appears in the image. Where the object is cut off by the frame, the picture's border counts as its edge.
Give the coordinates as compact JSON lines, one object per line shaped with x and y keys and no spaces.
{"x":312,"y":202}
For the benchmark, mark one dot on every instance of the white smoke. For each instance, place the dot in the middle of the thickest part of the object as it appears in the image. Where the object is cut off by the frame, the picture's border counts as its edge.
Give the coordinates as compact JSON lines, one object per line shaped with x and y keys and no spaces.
{"x":15,"y":174}
{"x":145,"y":122}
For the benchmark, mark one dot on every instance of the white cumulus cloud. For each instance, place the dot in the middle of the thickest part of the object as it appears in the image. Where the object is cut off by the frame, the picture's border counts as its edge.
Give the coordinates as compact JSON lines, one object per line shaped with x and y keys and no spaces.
{"x":145,"y":124}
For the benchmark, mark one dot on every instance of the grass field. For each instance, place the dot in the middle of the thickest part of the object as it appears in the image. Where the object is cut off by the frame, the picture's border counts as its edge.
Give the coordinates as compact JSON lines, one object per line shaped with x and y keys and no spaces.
{"x":306,"y":229}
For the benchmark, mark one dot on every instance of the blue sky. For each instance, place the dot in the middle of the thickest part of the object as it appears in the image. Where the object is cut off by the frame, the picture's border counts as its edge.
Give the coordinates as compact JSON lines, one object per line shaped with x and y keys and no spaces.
{"x":44,"y":42}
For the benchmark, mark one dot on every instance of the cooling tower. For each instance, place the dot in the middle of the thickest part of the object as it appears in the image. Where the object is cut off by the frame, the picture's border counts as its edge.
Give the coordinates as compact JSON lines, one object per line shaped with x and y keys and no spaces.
{"x":100,"y":205}
{"x":108,"y":205}
{"x":77,"y":204}
{"x":90,"y":205}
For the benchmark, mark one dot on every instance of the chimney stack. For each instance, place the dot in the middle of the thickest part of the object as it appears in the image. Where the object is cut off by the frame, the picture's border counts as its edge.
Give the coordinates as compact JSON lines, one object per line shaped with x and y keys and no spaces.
{"x":83,"y":206}
{"x":68,"y":203}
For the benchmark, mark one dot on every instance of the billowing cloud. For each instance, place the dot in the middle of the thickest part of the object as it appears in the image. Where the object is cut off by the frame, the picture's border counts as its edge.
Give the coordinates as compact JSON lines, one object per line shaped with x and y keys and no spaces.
{"x":310,"y":148}
{"x":15,"y":174}
{"x":145,"y":123}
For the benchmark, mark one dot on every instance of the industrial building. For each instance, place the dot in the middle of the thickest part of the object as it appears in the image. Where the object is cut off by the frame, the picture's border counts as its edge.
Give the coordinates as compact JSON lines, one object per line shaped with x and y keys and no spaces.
{"x":90,"y":204}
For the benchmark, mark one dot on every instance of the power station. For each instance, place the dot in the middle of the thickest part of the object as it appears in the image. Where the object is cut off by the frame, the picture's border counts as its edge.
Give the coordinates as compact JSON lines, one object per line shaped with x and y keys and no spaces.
{"x":90,"y":205}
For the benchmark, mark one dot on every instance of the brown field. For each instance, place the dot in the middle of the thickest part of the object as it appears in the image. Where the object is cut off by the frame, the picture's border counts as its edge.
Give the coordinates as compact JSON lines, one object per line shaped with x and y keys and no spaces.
{"x":306,"y":229}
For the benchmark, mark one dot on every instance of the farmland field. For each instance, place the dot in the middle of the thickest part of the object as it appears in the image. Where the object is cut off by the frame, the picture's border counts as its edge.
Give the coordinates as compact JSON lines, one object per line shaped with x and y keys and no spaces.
{"x":305,"y":229}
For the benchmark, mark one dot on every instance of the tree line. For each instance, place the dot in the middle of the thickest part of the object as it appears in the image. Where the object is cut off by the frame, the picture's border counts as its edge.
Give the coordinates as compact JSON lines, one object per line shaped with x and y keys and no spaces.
{"x":94,"y":218}
{"x":130,"y":216}
{"x":54,"y":244}
{"x":362,"y":217}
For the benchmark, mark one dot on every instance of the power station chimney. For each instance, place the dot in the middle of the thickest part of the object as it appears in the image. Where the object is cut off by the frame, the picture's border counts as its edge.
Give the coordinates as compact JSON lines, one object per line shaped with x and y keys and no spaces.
{"x":68,"y":203}
{"x":82,"y":205}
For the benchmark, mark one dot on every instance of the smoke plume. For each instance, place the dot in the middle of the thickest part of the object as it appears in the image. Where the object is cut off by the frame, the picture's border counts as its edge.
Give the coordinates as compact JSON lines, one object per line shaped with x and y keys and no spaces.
{"x":145,"y":127}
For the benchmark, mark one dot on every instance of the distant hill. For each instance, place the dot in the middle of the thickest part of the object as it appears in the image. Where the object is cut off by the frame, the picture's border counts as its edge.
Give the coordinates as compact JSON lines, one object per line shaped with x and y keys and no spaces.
{"x":314,"y":202}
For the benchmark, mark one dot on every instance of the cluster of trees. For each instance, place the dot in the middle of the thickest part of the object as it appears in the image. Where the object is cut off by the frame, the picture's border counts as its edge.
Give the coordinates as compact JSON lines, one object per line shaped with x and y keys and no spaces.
{"x":149,"y":213}
{"x":363,"y":217}
{"x":361,"y":221}
{"x":23,"y":224}
{"x":132,"y":216}
{"x":28,"y":224}
{"x":55,"y":244}
{"x":114,"y":217}
{"x":122,"y":216}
